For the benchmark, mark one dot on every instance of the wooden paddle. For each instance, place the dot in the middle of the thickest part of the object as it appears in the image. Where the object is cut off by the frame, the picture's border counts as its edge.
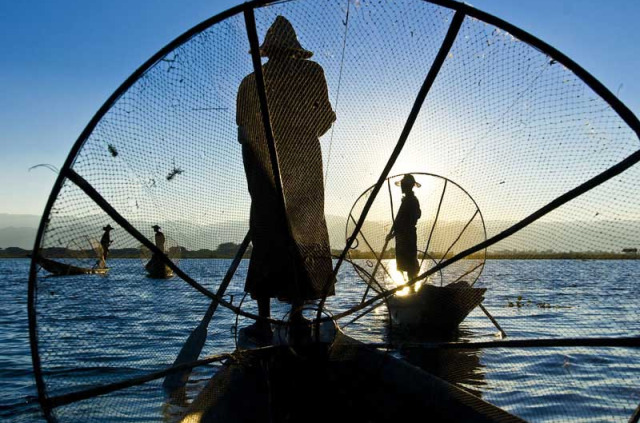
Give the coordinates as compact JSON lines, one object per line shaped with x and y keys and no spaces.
{"x":195,"y":342}
{"x":503,"y":334}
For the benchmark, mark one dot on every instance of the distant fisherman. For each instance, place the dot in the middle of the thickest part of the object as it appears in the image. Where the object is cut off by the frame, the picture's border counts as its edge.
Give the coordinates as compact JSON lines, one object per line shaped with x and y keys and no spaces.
{"x":160,"y":242}
{"x":404,"y":228}
{"x":159,"y":238}
{"x":105,"y":242}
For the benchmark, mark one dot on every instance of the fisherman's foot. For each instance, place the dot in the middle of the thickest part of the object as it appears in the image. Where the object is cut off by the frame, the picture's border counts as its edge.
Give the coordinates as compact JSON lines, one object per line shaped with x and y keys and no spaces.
{"x":261,"y":335}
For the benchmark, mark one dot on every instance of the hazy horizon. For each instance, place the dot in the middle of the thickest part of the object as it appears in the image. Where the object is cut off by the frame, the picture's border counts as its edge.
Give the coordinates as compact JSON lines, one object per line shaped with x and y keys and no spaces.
{"x":578,"y":235}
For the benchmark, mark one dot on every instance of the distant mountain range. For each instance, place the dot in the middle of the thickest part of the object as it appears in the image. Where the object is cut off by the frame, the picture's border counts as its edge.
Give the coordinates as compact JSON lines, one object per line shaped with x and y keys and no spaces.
{"x":574,"y":236}
{"x":18,"y":230}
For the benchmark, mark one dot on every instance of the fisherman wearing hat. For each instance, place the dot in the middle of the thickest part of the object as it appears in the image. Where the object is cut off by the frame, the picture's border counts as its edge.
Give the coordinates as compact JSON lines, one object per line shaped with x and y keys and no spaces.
{"x":300,"y":112}
{"x":105,"y":242}
{"x":404,"y":228}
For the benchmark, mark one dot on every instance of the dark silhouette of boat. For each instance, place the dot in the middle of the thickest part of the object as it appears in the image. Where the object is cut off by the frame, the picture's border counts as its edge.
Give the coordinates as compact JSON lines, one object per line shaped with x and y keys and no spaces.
{"x":282,"y":385}
{"x":435,"y":310}
{"x":57,"y":268}
{"x":156,"y":269}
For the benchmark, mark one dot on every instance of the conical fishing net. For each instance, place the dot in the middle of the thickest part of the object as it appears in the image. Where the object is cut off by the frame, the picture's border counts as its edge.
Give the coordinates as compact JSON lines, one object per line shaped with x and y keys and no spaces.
{"x":280,"y":180}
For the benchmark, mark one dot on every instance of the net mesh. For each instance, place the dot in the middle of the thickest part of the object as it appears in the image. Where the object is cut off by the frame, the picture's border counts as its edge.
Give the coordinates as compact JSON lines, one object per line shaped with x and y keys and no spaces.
{"x":505,"y":129}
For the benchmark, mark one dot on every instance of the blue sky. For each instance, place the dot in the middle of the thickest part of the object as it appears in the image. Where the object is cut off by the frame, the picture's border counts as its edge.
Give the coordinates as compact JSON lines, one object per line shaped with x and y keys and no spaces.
{"x":60,"y":61}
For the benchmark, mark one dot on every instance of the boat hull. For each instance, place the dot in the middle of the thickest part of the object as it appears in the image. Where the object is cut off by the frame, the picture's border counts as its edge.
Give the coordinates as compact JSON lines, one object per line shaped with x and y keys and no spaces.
{"x":57,"y":268}
{"x":158,"y":270}
{"x":345,"y":382}
{"x":434,"y":310}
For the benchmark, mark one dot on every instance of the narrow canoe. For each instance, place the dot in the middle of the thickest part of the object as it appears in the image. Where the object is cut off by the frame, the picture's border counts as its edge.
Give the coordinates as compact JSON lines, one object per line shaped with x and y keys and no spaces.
{"x":57,"y":268}
{"x":435,"y":310}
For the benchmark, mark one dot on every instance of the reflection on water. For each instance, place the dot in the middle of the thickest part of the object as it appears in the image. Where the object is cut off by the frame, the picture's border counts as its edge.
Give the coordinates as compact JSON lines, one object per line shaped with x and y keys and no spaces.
{"x":399,"y":278}
{"x":103,"y":330}
{"x":461,"y":367}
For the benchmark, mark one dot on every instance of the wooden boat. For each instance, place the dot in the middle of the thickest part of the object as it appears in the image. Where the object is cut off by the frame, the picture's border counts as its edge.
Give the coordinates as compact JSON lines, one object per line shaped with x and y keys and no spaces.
{"x":57,"y":268}
{"x":156,"y":269}
{"x":435,"y":310}
{"x":345,"y":381}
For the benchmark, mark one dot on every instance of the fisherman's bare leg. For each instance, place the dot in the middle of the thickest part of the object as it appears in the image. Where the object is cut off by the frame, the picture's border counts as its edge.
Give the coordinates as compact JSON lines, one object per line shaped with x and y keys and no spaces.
{"x":264,"y":310}
{"x":259,"y":331}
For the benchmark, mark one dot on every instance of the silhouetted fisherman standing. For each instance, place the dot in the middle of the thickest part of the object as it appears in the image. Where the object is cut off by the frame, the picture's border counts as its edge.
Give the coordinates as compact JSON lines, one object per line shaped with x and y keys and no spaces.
{"x":160,"y":242}
{"x":404,"y":229}
{"x":300,"y":113}
{"x":105,"y":243}
{"x":159,"y":238}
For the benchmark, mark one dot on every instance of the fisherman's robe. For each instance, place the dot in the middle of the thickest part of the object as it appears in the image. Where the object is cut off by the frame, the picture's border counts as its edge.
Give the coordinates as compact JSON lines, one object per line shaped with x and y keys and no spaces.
{"x":300,"y":113}
{"x":406,"y":237}
{"x":105,"y":242}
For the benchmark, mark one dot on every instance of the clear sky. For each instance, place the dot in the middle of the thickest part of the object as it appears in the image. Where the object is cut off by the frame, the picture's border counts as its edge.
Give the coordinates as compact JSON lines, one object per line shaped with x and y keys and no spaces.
{"x":59,"y":61}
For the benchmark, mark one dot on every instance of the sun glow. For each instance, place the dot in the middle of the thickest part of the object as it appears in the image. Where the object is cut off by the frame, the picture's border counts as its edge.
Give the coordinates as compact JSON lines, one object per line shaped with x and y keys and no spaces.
{"x":399,"y":279}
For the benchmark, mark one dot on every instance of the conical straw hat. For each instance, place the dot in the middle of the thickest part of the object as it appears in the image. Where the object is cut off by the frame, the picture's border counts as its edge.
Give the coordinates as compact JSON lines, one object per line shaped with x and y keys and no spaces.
{"x":281,"y":37}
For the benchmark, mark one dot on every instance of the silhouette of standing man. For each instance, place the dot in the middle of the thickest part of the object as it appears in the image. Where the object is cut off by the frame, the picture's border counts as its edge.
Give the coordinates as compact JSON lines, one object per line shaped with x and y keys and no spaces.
{"x":160,"y":241}
{"x":404,"y":229}
{"x":105,"y":242}
{"x":159,"y":238}
{"x":300,"y":113}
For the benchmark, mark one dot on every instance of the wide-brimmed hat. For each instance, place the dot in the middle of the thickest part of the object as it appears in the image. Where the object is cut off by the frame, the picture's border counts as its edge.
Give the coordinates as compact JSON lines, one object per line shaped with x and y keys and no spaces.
{"x":408,"y":179}
{"x":107,"y":228}
{"x":156,"y":227}
{"x":281,"y":37}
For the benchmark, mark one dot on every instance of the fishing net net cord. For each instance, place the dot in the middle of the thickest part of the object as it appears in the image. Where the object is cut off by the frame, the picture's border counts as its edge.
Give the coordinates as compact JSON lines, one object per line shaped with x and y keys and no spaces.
{"x":118,"y":218}
{"x":65,"y":399}
{"x":461,"y":9}
{"x":563,"y":199}
{"x":379,"y":257}
{"x":344,"y":48}
{"x":449,"y":39}
{"x":108,"y":388}
{"x":58,"y":184}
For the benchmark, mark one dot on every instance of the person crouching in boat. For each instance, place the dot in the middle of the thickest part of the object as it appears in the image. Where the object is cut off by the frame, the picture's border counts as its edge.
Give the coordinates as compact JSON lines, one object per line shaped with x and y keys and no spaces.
{"x":404,"y":228}
{"x":105,"y":242}
{"x":160,"y":242}
{"x":291,"y":259}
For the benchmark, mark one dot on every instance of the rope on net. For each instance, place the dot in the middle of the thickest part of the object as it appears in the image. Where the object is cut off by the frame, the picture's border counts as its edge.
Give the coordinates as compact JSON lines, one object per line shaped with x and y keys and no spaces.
{"x":452,"y":32}
{"x":344,"y":47}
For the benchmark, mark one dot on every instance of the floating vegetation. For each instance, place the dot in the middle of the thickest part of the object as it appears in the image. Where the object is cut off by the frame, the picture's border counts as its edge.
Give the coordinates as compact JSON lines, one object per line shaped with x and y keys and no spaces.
{"x":521,"y":302}
{"x":175,"y":172}
{"x":112,"y":150}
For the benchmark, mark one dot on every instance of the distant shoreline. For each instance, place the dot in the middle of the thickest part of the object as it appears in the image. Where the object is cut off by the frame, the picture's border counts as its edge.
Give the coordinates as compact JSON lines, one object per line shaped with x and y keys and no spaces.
{"x":131,"y":253}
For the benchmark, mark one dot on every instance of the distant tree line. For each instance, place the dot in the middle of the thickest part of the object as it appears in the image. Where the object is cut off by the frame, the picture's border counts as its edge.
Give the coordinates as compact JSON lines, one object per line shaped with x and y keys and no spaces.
{"x":228,"y":250}
{"x":224,"y":250}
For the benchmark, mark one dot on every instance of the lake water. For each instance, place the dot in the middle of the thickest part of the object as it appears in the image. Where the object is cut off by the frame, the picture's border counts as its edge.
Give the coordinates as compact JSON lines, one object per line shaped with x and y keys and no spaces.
{"x":95,"y":330}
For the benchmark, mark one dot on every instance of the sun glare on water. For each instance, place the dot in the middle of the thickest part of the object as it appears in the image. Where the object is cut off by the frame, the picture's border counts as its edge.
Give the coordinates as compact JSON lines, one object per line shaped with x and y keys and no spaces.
{"x":400,"y":278}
